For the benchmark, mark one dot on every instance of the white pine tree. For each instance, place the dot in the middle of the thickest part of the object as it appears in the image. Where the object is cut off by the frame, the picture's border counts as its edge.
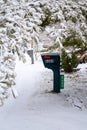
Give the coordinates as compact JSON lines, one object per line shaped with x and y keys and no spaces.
{"x":17,"y":30}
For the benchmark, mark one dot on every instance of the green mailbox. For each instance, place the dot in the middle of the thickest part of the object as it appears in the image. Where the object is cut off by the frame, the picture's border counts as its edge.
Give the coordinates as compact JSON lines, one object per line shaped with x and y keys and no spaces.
{"x":52,"y":61}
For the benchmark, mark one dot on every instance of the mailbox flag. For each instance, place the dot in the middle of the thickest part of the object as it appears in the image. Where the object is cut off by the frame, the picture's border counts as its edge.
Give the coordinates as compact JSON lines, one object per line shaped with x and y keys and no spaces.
{"x":46,"y":57}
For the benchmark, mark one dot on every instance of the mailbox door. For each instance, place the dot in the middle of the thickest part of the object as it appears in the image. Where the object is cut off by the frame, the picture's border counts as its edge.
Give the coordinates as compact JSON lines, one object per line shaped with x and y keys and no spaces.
{"x":51,"y":61}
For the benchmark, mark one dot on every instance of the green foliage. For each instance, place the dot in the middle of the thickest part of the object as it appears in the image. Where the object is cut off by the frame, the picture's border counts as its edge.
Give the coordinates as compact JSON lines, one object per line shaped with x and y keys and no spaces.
{"x":53,"y":47}
{"x":73,"y":40}
{"x":74,"y":60}
{"x":69,"y":62}
{"x":1,"y":42}
{"x":84,"y":13}
{"x":47,"y":19}
{"x":74,"y":20}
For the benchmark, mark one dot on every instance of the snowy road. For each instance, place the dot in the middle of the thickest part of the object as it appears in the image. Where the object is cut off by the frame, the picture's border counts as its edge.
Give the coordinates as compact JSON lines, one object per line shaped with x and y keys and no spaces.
{"x":36,"y":109}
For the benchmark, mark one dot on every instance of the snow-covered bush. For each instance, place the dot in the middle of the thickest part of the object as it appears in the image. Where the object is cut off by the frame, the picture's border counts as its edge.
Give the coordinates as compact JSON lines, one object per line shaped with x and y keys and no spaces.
{"x":68,"y":61}
{"x":73,"y":40}
{"x":18,"y":30}
{"x":69,"y":15}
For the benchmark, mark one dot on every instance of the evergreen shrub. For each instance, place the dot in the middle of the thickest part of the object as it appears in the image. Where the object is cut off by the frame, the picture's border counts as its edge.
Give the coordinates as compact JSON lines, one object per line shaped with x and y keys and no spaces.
{"x":69,"y":61}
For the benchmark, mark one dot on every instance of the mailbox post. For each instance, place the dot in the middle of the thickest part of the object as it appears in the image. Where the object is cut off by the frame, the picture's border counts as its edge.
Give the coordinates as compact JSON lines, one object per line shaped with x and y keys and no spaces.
{"x":52,"y":61}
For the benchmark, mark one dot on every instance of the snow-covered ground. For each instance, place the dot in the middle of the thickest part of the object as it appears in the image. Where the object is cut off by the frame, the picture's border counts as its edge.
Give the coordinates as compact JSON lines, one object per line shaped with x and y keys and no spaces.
{"x":36,"y":108}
